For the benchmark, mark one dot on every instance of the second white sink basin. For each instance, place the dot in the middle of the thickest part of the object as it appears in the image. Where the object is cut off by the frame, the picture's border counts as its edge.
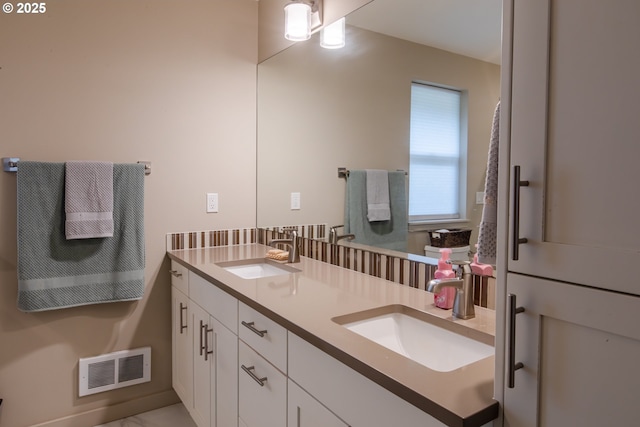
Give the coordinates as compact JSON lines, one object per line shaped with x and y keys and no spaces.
{"x":257,"y":268}
{"x":416,"y":336}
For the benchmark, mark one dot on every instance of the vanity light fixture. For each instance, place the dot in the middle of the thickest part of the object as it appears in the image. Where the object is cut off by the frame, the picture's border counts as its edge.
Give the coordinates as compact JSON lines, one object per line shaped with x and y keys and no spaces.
{"x":333,"y":36}
{"x":301,"y":17}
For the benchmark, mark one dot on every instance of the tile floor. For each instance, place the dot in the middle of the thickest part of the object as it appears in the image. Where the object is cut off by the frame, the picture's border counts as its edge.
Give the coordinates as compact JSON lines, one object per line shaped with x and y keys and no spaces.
{"x":169,"y":416}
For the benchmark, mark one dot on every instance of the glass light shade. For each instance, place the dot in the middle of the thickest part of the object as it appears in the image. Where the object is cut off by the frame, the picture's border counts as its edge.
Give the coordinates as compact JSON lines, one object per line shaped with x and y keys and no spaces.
{"x":333,"y":36}
{"x":297,"y":21}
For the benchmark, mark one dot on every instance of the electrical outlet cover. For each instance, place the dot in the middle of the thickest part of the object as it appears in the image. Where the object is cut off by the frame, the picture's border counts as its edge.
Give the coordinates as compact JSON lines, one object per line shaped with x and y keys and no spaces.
{"x":295,"y":201}
{"x":212,"y":202}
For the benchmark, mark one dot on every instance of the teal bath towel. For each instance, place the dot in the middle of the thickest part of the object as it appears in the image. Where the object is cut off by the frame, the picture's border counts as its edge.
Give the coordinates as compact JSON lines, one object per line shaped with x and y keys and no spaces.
{"x":56,"y":273}
{"x":391,"y":234}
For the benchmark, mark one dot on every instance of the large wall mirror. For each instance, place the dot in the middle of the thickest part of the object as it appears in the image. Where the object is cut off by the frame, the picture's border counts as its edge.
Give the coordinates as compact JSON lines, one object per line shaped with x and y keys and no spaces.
{"x":321,"y":109}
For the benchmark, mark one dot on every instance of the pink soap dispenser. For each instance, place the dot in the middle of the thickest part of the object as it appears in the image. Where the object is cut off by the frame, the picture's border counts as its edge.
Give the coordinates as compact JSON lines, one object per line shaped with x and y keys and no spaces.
{"x":444,"y":298}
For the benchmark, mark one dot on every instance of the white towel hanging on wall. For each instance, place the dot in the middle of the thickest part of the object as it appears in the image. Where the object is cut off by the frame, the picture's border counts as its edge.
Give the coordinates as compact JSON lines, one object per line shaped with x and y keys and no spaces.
{"x":378,"y":207}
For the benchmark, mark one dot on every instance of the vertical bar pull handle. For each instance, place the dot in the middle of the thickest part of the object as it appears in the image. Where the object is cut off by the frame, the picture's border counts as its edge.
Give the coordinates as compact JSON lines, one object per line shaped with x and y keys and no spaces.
{"x":182,"y":309}
{"x":517,"y":241}
{"x":207,"y":352}
{"x":203,"y":327}
{"x":511,"y":364}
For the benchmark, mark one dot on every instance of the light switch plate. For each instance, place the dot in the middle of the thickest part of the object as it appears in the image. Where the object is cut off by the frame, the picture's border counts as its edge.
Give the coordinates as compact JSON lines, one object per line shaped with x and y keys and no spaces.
{"x":212,"y":202}
{"x":480,"y":198}
{"x":295,"y":201}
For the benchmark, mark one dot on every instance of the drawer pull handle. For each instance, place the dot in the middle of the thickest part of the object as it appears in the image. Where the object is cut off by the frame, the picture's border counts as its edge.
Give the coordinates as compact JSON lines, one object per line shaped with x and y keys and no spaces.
{"x":175,"y":273}
{"x":257,"y":379}
{"x":513,"y":310}
{"x":253,"y":328}
{"x":182,"y":327}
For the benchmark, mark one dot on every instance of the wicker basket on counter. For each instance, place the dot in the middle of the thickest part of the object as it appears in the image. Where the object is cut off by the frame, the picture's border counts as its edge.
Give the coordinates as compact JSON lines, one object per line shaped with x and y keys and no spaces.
{"x":450,"y":238}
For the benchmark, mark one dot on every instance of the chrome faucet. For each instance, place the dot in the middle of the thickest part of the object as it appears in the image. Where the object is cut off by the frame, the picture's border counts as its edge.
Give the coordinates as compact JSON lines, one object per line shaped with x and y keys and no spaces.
{"x":294,"y":246}
{"x":463,"y":304}
{"x":333,"y":235}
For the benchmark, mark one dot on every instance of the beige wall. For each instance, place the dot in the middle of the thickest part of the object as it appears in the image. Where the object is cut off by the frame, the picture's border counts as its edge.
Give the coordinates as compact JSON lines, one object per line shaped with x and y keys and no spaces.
{"x":171,"y":82}
{"x":320,"y":109}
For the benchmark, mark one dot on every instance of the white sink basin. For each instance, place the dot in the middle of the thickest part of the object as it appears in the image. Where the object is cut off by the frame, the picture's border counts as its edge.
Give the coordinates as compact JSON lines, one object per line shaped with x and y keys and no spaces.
{"x":423,"y":338}
{"x":257,"y":268}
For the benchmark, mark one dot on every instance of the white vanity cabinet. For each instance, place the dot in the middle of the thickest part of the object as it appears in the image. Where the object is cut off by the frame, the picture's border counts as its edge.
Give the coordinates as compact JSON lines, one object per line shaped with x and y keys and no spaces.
{"x":579,"y":348}
{"x":306,"y":411}
{"x":215,"y":357}
{"x":205,"y":351}
{"x":262,"y":390}
{"x":575,"y":135}
{"x":572,"y":128}
{"x":203,"y":373}
{"x":262,"y":360}
{"x":181,"y":334}
{"x":181,"y":349}
{"x":235,"y":366}
{"x":349,"y":395}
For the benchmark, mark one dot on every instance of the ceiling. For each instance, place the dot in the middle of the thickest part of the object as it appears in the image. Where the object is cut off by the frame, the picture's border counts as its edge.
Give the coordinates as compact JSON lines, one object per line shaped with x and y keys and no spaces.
{"x":466,"y":27}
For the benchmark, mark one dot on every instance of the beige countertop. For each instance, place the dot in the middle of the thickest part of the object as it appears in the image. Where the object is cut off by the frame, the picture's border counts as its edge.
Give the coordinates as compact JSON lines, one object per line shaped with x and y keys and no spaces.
{"x":306,"y":302}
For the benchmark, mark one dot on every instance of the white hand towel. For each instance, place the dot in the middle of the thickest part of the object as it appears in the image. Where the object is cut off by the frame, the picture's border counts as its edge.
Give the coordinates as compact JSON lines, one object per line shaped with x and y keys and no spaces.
{"x":378,"y":207}
{"x":88,"y":200}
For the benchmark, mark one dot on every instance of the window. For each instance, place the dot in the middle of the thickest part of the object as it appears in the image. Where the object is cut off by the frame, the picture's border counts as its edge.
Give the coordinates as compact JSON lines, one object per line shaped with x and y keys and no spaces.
{"x":437,"y":178}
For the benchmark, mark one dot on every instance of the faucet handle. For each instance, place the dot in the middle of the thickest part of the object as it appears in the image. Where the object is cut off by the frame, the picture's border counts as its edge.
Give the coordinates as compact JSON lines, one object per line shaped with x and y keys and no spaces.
{"x":466,"y":266}
{"x":333,"y":234}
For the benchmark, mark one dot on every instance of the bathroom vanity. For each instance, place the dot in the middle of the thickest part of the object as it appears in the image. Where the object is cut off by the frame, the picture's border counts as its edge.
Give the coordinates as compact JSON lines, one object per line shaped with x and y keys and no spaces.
{"x":255,"y":345}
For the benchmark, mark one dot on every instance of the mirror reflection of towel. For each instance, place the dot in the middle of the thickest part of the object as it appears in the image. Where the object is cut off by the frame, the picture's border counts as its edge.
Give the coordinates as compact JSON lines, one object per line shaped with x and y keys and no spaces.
{"x":390,"y":234}
{"x":378,"y":208}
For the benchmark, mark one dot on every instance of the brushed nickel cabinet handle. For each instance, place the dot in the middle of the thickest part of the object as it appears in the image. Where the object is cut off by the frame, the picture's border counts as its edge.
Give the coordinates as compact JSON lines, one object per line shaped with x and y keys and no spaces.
{"x":517,"y":241}
{"x":511,"y":364}
{"x":175,"y":273}
{"x":202,"y":327}
{"x":182,"y":308}
{"x":249,"y":370}
{"x":253,"y":329}
{"x":207,"y":352}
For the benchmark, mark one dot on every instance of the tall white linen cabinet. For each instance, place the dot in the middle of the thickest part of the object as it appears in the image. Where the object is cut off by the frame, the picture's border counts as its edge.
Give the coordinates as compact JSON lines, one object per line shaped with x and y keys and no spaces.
{"x":568,"y":334}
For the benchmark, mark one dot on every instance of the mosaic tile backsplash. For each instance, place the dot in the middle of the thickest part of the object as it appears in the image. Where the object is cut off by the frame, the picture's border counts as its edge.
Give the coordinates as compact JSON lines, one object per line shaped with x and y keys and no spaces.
{"x":406,"y":269}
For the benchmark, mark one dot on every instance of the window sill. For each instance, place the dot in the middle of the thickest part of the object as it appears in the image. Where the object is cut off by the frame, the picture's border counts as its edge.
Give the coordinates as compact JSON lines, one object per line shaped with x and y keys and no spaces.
{"x":430,"y":225}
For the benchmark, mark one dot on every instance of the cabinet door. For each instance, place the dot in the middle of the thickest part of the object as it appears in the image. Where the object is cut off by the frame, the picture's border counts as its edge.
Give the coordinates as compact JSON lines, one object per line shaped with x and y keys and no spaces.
{"x":202,"y":361}
{"x":262,"y":390}
{"x":579,"y":348}
{"x":224,"y":394}
{"x":575,"y":134}
{"x":181,"y":334}
{"x":305,"y":411}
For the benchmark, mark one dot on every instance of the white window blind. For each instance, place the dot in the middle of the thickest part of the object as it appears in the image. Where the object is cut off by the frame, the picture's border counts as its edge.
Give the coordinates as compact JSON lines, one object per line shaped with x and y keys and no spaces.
{"x":435,"y":153}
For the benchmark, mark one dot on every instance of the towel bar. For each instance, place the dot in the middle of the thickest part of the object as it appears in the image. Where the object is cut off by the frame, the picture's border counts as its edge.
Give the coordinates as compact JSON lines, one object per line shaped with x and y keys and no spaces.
{"x":344,"y":172}
{"x":10,"y":164}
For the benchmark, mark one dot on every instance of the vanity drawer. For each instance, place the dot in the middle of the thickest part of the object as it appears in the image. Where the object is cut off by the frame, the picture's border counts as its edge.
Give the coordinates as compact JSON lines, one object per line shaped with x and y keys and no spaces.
{"x":219,"y":304}
{"x":263,"y":335}
{"x":179,"y":277}
{"x":262,"y":390}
